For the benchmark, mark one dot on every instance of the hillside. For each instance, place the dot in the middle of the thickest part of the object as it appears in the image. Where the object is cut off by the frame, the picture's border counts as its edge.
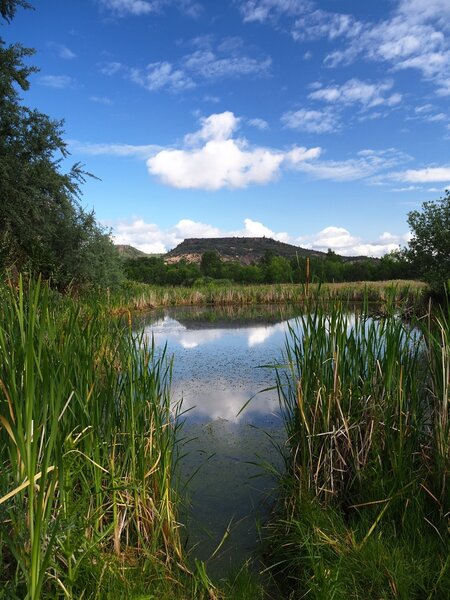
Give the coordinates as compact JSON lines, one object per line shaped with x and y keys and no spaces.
{"x":246,"y":250}
{"x":126,"y":251}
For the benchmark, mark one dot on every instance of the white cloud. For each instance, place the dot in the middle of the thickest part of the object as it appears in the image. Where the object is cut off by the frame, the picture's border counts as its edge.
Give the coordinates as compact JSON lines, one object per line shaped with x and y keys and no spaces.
{"x":149,"y":238}
{"x":261,"y":10}
{"x":111,"y":68}
{"x":257,"y":229}
{"x":444,"y":87}
{"x":341,"y":241}
{"x":367,"y":164}
{"x":204,"y":65}
{"x":424,"y":108}
{"x":312,"y":121}
{"x":59,"y":82}
{"x":319,"y":23}
{"x":355,"y":91}
{"x":217,"y":127}
{"x":208,"y":65}
{"x":213,"y":99}
{"x":131,"y":7}
{"x":427,"y":175}
{"x":137,"y":151}
{"x":187,"y":228}
{"x":258,"y":123}
{"x":161,"y":75}
{"x":409,"y":188}
{"x":122,"y":8}
{"x":101,"y":100}
{"x":426,"y":10}
{"x":62,"y":51}
{"x":413,"y":36}
{"x":213,"y":159}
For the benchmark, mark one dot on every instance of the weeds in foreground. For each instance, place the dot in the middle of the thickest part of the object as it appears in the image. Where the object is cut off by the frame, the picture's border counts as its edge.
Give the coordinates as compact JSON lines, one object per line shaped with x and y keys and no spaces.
{"x":87,"y":442}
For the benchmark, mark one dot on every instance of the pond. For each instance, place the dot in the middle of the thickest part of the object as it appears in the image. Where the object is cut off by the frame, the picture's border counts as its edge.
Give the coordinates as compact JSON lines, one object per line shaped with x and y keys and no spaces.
{"x":222,"y":358}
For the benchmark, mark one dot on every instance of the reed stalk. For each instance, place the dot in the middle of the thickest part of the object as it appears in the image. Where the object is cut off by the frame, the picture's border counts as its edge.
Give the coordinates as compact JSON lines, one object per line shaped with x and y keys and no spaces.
{"x":365,"y":496}
{"x":87,"y":447}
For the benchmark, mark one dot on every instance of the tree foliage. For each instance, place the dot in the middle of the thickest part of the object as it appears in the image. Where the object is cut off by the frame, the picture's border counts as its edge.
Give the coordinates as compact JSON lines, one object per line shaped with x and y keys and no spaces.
{"x":271,"y":269}
{"x":43,"y":228}
{"x":429,"y":247}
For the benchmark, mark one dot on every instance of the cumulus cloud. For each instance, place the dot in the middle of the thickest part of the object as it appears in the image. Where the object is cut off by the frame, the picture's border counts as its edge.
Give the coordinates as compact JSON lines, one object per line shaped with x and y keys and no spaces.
{"x":212,"y":159}
{"x":341,"y":241}
{"x":355,"y":91}
{"x":312,"y":121}
{"x":150,"y":238}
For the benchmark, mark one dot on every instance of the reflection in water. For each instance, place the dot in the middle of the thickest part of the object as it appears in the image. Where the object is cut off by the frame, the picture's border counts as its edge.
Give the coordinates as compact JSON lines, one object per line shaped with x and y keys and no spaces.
{"x":217,"y":368}
{"x":219,"y":358}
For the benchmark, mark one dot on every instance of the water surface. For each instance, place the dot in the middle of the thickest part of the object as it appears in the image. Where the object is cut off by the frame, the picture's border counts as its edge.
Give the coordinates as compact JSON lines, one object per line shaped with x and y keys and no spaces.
{"x":221,"y":360}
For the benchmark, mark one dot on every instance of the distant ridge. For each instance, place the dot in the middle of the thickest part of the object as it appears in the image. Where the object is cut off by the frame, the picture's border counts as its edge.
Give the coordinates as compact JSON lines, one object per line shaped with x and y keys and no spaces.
{"x":246,"y":250}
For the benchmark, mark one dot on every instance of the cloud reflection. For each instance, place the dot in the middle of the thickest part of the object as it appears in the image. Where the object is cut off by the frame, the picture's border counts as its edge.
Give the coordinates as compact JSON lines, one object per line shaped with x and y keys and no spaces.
{"x":219,"y":399}
{"x":258,"y":335}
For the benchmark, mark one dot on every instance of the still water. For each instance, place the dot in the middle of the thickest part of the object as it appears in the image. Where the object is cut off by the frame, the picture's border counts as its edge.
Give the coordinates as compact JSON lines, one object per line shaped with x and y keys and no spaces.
{"x":222,"y":358}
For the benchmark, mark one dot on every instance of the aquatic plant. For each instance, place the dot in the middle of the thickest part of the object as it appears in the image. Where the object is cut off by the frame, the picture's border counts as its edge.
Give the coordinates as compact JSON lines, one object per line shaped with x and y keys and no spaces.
{"x":87,"y":447}
{"x":364,"y":505}
{"x":140,"y":297}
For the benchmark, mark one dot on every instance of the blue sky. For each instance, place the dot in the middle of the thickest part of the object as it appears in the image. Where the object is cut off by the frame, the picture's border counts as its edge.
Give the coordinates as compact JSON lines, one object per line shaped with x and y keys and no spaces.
{"x":317,"y":122}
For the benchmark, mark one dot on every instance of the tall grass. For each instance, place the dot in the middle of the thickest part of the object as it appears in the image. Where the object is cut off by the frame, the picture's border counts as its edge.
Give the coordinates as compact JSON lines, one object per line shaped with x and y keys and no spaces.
{"x":365,"y":502}
{"x":136,"y":296}
{"x":87,"y":443}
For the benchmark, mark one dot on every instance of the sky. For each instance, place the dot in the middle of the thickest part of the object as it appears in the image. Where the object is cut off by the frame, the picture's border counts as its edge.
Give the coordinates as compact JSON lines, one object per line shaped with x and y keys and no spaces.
{"x":320,"y":123}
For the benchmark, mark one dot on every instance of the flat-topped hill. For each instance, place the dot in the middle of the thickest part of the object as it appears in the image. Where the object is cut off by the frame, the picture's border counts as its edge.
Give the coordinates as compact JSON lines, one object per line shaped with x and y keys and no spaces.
{"x":246,"y":250}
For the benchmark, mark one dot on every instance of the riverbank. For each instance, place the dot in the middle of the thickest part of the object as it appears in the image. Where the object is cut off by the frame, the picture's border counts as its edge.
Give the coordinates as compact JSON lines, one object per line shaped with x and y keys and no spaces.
{"x":142,"y":297}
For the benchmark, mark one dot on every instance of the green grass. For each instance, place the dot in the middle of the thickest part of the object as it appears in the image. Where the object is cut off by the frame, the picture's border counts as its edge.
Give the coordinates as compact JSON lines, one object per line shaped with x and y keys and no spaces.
{"x":140,"y":297}
{"x":88,"y":500}
{"x":364,"y":505}
{"x":87,"y":447}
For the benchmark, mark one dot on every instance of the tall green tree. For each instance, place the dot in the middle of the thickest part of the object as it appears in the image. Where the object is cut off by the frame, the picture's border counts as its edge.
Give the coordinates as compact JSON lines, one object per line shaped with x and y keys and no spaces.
{"x":429,"y":247}
{"x":43,"y":228}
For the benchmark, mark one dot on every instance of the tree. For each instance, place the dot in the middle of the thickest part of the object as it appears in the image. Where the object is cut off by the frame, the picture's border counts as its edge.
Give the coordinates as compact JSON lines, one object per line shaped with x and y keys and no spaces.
{"x":211,"y":265}
{"x":429,"y":247}
{"x":43,"y":229}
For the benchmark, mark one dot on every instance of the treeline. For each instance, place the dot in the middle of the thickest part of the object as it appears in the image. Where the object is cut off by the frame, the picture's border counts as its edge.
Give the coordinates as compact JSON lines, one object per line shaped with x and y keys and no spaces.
{"x":271,"y":269}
